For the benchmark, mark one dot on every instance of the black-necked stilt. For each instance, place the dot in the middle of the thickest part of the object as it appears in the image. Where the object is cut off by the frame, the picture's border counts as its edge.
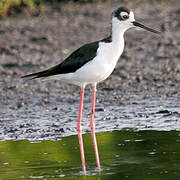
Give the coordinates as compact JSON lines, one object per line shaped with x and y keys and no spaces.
{"x":93,"y":63}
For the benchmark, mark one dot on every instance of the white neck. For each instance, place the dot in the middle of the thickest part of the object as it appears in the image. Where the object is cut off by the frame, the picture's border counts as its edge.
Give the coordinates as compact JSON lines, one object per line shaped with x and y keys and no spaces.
{"x":119,"y":27}
{"x":118,"y":30}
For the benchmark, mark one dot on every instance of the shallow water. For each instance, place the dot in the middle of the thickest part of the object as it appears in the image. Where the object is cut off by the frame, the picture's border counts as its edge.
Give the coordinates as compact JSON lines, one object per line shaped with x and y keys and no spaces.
{"x":124,"y":154}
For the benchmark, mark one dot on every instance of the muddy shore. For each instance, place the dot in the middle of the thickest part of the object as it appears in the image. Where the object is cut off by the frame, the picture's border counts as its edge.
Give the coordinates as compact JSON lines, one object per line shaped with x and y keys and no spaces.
{"x":142,"y":93}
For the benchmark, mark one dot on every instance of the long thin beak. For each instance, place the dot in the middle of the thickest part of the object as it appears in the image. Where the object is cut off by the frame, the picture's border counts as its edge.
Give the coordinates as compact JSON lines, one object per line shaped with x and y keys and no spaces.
{"x":144,"y":27}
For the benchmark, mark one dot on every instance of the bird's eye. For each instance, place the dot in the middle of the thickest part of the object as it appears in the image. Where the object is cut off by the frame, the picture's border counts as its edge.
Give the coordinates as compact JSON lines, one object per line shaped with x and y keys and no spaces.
{"x":124,"y":17}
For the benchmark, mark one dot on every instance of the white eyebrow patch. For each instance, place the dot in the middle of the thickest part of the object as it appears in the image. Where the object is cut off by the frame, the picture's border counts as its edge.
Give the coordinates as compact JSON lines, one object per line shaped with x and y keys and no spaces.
{"x":124,"y":14}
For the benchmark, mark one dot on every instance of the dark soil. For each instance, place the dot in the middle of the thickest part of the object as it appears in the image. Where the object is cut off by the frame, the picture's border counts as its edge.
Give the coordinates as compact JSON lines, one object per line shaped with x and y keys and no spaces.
{"x":142,"y":93}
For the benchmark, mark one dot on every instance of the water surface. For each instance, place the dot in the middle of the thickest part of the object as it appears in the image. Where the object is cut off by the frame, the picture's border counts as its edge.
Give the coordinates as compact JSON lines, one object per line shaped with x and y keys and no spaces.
{"x":124,"y":154}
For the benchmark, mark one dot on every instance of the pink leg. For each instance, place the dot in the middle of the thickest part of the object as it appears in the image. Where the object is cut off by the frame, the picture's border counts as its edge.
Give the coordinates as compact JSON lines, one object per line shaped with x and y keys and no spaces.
{"x":79,"y":130}
{"x":93,"y":126}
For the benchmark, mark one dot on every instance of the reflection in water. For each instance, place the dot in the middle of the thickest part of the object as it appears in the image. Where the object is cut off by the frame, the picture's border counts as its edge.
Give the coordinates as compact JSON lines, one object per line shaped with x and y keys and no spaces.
{"x":123,"y":154}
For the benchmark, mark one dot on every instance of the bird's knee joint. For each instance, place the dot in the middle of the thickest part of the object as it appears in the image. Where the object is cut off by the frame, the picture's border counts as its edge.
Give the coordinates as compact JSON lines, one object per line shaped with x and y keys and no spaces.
{"x":92,"y":111}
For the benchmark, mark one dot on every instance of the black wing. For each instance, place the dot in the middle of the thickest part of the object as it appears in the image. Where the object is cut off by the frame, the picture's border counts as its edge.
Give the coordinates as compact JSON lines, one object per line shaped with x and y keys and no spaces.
{"x":76,"y":60}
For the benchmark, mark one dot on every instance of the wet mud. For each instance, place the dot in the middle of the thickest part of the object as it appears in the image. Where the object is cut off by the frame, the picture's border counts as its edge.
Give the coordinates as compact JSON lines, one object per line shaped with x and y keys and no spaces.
{"x":143,"y":93}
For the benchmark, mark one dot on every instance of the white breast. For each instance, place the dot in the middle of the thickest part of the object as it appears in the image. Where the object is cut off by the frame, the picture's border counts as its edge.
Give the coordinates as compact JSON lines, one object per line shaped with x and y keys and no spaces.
{"x":102,"y":65}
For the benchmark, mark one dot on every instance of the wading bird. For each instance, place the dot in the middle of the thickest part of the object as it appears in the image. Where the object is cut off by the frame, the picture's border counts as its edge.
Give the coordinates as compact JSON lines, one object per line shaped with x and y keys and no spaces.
{"x":91,"y":64}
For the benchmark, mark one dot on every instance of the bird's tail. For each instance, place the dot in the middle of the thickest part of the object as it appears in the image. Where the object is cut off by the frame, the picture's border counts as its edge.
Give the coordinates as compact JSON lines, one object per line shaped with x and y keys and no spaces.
{"x":35,"y":75}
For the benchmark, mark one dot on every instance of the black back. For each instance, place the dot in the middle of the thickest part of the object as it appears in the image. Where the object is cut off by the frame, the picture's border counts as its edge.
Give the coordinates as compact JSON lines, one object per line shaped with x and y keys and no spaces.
{"x":76,"y":60}
{"x":72,"y":63}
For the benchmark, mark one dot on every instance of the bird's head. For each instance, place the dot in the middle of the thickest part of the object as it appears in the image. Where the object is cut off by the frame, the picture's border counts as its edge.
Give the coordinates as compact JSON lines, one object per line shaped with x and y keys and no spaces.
{"x":124,"y":18}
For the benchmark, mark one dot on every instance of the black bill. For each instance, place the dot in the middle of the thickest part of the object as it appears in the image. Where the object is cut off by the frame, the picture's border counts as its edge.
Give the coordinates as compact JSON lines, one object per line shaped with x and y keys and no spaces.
{"x":145,"y":27}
